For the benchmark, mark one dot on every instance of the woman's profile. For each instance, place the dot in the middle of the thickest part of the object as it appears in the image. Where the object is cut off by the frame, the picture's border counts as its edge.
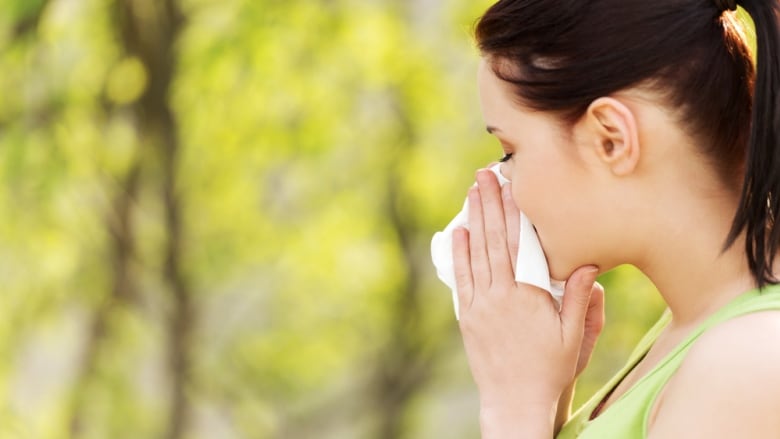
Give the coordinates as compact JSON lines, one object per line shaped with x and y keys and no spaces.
{"x":633,"y":132}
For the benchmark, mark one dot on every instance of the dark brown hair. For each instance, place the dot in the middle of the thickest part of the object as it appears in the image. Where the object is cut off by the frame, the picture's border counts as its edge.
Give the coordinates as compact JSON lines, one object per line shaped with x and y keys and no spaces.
{"x":561,"y":55}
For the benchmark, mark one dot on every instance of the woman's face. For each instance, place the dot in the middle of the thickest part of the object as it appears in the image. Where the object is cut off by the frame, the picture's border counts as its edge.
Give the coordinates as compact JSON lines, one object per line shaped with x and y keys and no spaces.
{"x":550,"y":181}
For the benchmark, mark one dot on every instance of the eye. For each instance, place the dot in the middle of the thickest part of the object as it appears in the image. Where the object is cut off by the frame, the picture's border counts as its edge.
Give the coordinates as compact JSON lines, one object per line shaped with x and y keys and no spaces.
{"x":506,"y":158}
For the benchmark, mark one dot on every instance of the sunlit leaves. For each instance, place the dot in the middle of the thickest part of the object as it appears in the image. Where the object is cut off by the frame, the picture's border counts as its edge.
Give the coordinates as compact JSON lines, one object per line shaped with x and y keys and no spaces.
{"x":127,"y":80}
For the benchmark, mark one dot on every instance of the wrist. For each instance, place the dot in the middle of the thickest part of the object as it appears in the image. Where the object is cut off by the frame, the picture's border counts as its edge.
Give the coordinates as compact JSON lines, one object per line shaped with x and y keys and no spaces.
{"x":526,"y":421}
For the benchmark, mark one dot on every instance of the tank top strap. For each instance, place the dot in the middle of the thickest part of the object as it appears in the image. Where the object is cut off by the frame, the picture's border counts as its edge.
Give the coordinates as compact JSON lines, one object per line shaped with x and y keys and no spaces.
{"x":755,"y":300}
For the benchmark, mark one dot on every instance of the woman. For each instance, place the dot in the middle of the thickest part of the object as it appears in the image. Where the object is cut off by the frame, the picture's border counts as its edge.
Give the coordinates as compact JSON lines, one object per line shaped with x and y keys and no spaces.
{"x":638,"y":132}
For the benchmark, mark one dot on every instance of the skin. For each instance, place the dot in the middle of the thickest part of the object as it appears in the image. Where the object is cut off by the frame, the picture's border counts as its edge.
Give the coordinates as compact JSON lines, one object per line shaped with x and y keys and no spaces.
{"x":624,"y":184}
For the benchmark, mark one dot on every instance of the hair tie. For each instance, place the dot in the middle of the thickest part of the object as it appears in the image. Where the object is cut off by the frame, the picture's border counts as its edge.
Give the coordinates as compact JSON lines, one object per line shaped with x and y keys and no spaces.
{"x":726,"y":5}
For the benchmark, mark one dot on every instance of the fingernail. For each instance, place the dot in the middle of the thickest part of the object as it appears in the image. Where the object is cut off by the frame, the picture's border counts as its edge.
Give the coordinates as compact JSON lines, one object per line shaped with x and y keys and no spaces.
{"x":473,"y":194}
{"x":480,"y":174}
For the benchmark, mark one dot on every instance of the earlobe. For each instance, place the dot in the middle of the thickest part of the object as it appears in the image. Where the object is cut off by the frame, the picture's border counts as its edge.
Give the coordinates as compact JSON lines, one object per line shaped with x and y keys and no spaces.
{"x":613,"y":131}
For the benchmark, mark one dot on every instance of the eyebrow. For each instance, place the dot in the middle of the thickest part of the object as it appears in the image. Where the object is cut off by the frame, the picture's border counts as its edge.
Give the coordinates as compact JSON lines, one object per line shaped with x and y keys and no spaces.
{"x":492,"y":129}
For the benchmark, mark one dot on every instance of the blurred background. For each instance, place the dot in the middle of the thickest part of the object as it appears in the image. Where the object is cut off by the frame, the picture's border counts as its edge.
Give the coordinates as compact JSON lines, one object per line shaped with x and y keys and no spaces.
{"x":216,"y":217}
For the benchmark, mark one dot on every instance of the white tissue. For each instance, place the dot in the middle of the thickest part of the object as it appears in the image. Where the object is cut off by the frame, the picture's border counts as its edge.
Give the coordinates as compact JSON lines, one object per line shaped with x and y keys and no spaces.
{"x":531,"y":265}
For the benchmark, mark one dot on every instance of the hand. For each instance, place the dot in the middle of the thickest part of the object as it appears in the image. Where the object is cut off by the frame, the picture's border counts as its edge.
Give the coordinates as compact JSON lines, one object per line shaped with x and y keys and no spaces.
{"x":522,"y":351}
{"x":594,"y":317}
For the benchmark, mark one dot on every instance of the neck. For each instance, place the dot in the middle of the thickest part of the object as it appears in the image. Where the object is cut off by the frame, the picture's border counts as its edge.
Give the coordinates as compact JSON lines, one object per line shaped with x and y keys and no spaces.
{"x":688,"y":265}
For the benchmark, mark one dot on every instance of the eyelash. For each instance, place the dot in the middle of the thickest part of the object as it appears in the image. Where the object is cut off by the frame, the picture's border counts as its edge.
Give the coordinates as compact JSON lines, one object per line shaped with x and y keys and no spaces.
{"x":506,"y":158}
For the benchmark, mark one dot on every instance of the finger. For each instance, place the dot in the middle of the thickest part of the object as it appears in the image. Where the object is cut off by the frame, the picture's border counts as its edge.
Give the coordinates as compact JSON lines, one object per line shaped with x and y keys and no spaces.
{"x":495,"y":227}
{"x":480,"y":267}
{"x":594,"y":317}
{"x":576,"y":299}
{"x":512,"y":220}
{"x":462,"y":264}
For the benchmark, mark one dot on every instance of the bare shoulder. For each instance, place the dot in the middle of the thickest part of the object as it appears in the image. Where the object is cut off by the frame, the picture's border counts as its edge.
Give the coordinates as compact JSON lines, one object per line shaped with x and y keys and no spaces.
{"x":728,"y":385}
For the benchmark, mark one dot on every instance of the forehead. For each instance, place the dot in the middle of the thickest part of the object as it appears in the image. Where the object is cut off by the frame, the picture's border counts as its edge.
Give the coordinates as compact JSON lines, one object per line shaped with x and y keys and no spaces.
{"x":501,"y":109}
{"x":496,"y":96}
{"x":500,"y":105}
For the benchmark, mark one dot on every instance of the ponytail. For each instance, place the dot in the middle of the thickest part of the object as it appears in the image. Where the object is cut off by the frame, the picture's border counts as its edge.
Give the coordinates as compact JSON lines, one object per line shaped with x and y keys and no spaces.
{"x":760,"y":199}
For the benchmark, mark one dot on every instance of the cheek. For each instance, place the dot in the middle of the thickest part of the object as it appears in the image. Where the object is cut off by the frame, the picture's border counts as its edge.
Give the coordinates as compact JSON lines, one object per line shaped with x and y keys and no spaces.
{"x":532,"y":186}
{"x":547,"y":194}
{"x":540,"y":208}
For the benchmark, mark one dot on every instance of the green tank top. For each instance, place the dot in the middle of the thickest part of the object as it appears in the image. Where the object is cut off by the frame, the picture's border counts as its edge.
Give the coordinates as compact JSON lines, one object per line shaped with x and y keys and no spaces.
{"x":627,"y":417}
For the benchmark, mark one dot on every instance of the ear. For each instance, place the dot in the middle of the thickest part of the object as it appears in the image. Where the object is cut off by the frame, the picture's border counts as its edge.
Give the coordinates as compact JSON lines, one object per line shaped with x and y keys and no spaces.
{"x":611,"y":132}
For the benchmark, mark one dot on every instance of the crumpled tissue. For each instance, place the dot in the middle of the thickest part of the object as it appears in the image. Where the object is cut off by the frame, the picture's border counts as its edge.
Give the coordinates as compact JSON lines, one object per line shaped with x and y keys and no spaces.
{"x":531,"y":267}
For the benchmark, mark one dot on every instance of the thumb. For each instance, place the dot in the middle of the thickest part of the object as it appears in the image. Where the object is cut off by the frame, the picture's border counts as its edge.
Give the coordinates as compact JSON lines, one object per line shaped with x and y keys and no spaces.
{"x":576,"y":298}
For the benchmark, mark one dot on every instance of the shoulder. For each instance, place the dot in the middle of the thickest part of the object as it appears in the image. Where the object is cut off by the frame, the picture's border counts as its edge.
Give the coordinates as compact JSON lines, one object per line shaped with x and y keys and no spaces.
{"x":728,"y":385}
